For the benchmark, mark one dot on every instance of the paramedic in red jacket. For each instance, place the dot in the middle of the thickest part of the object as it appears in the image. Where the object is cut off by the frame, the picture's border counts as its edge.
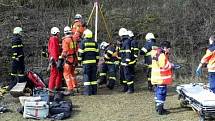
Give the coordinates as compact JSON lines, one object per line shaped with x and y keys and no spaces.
{"x":53,"y":50}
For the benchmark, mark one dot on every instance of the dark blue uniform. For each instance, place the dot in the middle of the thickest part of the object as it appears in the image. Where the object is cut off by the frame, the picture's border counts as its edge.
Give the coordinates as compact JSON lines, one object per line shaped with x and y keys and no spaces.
{"x":126,"y":68}
{"x":134,"y":49}
{"x":18,"y":66}
{"x":108,"y":68}
{"x":89,"y":55}
{"x":146,"y":51}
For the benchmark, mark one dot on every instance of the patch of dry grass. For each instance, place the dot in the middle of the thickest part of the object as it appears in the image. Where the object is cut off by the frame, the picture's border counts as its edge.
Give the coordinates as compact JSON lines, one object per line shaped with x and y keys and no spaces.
{"x":115,"y":106}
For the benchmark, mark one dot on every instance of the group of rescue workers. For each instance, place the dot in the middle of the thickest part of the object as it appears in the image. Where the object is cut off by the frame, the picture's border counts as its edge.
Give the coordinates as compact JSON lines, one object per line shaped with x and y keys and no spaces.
{"x":79,"y":47}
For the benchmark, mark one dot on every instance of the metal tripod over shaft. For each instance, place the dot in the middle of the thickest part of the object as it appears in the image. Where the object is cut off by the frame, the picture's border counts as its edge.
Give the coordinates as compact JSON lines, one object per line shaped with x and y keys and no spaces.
{"x":98,"y":9}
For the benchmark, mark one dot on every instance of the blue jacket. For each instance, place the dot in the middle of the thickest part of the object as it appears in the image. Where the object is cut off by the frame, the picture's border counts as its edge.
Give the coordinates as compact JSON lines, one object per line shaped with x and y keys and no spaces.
{"x":88,"y":52}
{"x":134,"y":50}
{"x":110,"y":55}
{"x":146,"y":51}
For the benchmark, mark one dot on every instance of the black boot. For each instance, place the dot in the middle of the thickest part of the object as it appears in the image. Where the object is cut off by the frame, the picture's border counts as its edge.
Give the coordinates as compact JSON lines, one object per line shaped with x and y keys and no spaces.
{"x":94,"y":89}
{"x":160,"y":109}
{"x":130,"y":88}
{"x":150,"y":86}
{"x":21,"y":79}
{"x":125,"y":88}
{"x":12,"y":83}
{"x":111,"y":84}
{"x":87,"y":90}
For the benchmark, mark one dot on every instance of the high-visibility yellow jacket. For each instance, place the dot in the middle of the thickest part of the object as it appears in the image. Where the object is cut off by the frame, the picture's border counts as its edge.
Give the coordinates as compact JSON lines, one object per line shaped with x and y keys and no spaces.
{"x":161,"y":68}
{"x":209,"y":59}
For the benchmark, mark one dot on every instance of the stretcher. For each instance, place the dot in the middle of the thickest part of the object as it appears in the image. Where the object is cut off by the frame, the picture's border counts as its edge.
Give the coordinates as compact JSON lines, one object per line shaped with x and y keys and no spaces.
{"x":199,"y":97}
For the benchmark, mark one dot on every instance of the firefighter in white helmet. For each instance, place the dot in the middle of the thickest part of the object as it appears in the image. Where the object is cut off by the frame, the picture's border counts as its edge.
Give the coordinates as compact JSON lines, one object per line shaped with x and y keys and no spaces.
{"x":107,"y":70}
{"x":146,"y":51}
{"x":18,"y":66}
{"x":69,"y":54}
{"x":126,"y":75}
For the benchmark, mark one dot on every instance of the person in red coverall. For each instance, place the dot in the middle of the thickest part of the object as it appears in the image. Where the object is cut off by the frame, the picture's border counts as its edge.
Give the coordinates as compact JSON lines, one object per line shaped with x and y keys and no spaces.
{"x":55,"y":79}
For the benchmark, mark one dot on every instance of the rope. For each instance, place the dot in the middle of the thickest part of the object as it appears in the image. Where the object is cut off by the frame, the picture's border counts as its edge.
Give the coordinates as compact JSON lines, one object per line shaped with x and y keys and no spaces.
{"x":91,"y":15}
{"x":106,"y":27}
{"x":104,"y":20}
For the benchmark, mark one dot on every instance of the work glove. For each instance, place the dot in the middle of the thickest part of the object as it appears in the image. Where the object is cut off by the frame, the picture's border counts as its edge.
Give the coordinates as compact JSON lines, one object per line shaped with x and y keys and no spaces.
{"x":52,"y":61}
{"x":17,"y":59}
{"x":176,"y":66}
{"x":198,"y":72}
{"x":60,"y":64}
{"x":44,"y":54}
{"x":142,"y":52}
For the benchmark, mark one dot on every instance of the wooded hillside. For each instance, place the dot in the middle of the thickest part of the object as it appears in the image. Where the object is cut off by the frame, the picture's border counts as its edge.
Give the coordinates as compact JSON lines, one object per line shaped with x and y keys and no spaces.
{"x":186,"y":23}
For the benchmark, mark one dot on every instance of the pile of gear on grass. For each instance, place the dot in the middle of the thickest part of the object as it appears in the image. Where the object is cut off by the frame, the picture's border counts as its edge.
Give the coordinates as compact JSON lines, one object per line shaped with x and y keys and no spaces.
{"x":38,"y":105}
{"x":46,"y":101}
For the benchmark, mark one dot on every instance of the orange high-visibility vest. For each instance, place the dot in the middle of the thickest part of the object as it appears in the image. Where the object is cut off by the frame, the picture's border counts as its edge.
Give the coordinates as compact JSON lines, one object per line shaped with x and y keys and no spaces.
{"x":69,"y":51}
{"x":77,"y":30}
{"x":161,"y":68}
{"x":209,"y":58}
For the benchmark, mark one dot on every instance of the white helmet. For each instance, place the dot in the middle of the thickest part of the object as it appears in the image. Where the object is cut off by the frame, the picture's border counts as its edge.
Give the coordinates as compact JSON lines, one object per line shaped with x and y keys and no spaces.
{"x":17,"y":30}
{"x":149,"y":36}
{"x":122,"y":32}
{"x":67,"y":30}
{"x":78,"y":16}
{"x":130,"y":33}
{"x":103,"y":45}
{"x":55,"y":30}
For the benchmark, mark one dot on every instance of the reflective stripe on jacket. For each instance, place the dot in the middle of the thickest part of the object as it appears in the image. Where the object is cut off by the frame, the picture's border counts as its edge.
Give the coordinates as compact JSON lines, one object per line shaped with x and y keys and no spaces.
{"x":125,"y":50}
{"x":146,"y":51}
{"x":161,"y":68}
{"x":17,"y":47}
{"x":110,"y":55}
{"x":69,"y":49}
{"x":134,"y":50}
{"x":209,"y":58}
{"x":88,"y":52}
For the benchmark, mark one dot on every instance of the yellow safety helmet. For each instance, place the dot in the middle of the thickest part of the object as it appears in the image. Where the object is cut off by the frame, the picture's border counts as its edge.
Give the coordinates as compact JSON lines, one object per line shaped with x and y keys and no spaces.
{"x":88,"y":34}
{"x":17,"y":30}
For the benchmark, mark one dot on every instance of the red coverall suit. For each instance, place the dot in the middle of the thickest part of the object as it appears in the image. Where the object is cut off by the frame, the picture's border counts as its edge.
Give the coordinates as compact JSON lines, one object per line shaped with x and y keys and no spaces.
{"x":70,"y":55}
{"x":55,"y":76}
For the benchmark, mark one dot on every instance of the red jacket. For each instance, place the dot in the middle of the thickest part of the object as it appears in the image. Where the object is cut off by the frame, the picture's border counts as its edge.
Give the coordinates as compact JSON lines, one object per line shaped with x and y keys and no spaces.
{"x":53,"y":47}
